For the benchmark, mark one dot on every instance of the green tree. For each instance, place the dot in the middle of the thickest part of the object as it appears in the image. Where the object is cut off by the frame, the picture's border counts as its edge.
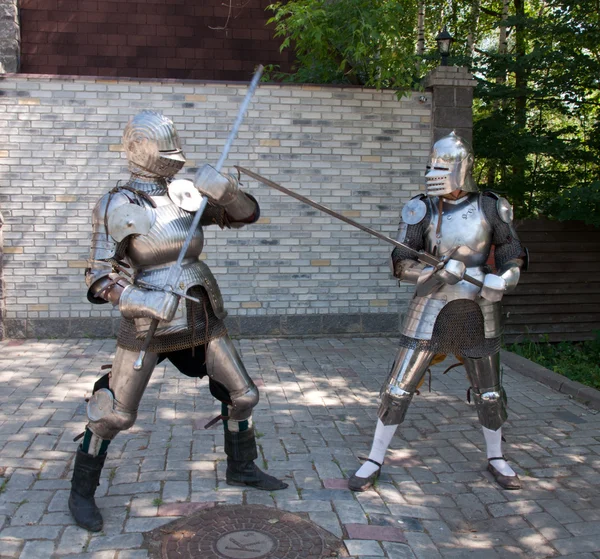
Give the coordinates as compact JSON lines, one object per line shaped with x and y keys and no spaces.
{"x":360,"y":42}
{"x":537,"y":62}
{"x":535,"y":127}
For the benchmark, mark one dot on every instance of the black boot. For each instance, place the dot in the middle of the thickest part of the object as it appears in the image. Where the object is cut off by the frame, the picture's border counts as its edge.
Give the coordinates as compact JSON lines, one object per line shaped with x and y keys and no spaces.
{"x":241,"y":469}
{"x":86,"y":477}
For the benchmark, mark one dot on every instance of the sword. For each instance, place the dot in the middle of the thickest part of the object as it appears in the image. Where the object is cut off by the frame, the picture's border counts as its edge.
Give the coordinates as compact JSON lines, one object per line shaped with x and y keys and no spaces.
{"x":421,"y":255}
{"x":175,"y":270}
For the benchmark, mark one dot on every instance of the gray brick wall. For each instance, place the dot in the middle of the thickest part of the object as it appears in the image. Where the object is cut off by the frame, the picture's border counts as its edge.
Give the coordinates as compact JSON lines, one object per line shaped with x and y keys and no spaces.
{"x":361,"y":152}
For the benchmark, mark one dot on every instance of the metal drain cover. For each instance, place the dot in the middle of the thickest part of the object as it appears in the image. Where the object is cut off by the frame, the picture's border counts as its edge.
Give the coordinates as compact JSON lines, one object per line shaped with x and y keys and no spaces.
{"x":242,"y":532}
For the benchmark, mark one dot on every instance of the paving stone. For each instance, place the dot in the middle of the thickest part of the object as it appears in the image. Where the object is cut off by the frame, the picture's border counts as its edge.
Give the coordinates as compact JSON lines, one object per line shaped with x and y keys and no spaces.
{"x":397,"y":550}
{"x":182,"y":509}
{"x":364,"y":548}
{"x":305,"y":505}
{"x":38,"y":549}
{"x":422,"y":546}
{"x":11,"y":547}
{"x":335,"y":483}
{"x":414,"y":511}
{"x":141,"y":524}
{"x":124,"y":541}
{"x":374,"y":532}
{"x":550,"y":528}
{"x":350,"y":512}
{"x":327,"y":521}
{"x":327,"y":495}
{"x":73,"y":540}
{"x":517,"y":507}
{"x":133,"y":554}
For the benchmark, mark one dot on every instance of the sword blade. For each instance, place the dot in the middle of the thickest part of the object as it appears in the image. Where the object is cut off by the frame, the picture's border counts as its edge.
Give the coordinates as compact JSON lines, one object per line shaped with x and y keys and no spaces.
{"x":175,"y":271}
{"x":422,"y":256}
{"x":427,"y":258}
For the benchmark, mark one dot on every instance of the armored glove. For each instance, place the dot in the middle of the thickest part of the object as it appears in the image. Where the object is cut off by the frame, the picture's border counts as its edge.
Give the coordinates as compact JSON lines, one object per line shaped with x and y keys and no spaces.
{"x":136,"y":302}
{"x":493,"y":288}
{"x":108,"y":289}
{"x":220,"y":189}
{"x":449,"y":272}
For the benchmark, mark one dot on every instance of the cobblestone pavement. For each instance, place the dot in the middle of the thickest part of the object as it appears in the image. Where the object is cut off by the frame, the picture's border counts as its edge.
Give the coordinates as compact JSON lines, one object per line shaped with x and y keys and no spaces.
{"x":316,"y":417}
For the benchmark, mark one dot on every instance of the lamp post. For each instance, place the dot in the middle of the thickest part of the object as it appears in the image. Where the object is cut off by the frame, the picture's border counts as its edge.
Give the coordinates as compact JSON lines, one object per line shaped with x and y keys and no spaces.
{"x":444,"y":40}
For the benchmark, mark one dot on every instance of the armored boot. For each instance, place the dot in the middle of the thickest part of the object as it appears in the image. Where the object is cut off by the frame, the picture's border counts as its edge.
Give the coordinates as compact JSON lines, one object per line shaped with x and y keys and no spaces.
{"x":241,"y":451}
{"x":86,"y":477}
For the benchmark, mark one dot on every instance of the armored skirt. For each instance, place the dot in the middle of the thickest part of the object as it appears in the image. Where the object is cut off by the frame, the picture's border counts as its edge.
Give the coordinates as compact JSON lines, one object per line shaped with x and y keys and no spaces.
{"x":463,"y":326}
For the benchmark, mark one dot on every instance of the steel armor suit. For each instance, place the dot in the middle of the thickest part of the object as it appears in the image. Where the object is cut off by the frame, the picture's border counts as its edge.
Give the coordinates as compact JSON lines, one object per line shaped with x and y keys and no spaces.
{"x":138,"y":231}
{"x":447,"y":314}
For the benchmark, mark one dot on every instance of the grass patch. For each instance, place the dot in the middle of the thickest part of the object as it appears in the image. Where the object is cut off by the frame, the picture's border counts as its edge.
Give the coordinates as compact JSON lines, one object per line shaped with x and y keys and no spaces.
{"x":579,"y":361}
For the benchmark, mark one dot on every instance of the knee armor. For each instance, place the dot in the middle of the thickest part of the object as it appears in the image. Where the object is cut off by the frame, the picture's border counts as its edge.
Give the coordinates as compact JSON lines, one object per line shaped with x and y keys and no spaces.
{"x":225,"y":366}
{"x":105,"y":417}
{"x":487,"y":392}
{"x":397,"y":392}
{"x":491,"y":406}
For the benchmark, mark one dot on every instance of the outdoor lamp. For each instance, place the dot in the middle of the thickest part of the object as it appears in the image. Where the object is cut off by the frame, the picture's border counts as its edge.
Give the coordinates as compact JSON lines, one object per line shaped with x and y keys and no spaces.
{"x":444,"y":40}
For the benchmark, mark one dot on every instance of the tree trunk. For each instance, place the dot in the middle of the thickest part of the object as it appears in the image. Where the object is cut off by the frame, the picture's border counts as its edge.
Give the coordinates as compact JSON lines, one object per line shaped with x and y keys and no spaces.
{"x":502,"y":45}
{"x":420,"y":32}
{"x":520,"y":91}
{"x":502,"y":50}
{"x":472,"y":36}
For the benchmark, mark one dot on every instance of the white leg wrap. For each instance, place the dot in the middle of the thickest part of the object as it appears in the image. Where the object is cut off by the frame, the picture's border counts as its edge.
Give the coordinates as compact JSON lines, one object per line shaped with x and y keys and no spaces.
{"x":95,"y":443}
{"x":493,"y":441}
{"x":381,"y":441}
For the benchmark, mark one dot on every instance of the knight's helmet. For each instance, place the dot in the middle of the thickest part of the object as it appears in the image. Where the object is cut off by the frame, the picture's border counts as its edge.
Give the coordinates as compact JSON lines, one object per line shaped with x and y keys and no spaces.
{"x":450,"y":166}
{"x":152,"y":145}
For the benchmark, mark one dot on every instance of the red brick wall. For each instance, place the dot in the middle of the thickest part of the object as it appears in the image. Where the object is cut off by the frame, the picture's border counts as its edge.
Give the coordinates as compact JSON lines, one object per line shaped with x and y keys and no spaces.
{"x":148,"y":38}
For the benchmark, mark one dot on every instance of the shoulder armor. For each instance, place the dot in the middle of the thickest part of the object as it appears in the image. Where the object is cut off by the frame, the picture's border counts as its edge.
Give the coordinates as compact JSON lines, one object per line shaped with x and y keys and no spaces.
{"x":108,"y":203}
{"x":414,"y":210}
{"x":505,"y":210}
{"x":120,"y":217}
{"x":503,"y":206}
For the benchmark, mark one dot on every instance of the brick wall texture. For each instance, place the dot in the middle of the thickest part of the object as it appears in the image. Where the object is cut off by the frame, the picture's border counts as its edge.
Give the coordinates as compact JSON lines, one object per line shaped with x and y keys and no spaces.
{"x":360,"y":152}
{"x":183,"y":39}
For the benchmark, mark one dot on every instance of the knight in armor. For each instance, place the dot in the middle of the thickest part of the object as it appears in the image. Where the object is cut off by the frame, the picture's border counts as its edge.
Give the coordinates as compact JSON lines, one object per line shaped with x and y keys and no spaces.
{"x":448,"y":315}
{"x":139,"y":229}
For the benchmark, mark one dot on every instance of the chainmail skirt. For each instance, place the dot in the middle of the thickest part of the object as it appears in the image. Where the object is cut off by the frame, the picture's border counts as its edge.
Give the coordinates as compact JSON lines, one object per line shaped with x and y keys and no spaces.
{"x":203,"y":326}
{"x":458,"y":330}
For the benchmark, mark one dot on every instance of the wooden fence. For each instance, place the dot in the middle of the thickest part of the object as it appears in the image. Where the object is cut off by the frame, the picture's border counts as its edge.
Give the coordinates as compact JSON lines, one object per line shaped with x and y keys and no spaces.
{"x":559,"y":296}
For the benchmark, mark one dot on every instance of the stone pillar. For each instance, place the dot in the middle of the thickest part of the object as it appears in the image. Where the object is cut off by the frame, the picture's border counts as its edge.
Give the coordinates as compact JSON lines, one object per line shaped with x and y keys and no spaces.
{"x":452,"y":107}
{"x":10,"y":36}
{"x":2,"y":306}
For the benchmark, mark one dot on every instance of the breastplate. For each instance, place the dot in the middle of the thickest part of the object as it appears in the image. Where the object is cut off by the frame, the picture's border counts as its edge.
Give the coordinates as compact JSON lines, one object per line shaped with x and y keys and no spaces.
{"x":161,"y":245}
{"x":152,"y":255}
{"x":463,"y":227}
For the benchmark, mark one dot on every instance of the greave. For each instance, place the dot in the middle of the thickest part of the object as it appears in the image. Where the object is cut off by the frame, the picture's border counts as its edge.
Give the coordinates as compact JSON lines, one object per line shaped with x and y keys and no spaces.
{"x":241,"y":446}
{"x":241,"y":451}
{"x":86,"y":478}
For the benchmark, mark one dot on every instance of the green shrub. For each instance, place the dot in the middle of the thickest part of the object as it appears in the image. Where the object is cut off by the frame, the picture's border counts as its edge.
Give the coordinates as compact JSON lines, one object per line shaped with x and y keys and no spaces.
{"x":579,"y":361}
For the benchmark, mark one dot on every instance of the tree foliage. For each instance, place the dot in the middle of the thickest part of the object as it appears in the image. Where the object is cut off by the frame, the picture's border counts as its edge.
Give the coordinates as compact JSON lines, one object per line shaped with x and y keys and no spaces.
{"x":361,"y":42}
{"x":537,"y":64}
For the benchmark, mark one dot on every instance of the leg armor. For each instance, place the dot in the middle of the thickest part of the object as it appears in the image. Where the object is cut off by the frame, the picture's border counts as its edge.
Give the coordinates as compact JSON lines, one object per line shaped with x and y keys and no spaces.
{"x":397,"y":392}
{"x":225,"y":367}
{"x":114,"y":409}
{"x":487,"y":392}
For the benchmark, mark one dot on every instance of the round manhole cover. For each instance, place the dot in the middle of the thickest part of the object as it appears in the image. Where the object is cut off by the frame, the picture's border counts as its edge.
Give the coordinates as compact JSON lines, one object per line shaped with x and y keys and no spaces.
{"x":242,"y":532}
